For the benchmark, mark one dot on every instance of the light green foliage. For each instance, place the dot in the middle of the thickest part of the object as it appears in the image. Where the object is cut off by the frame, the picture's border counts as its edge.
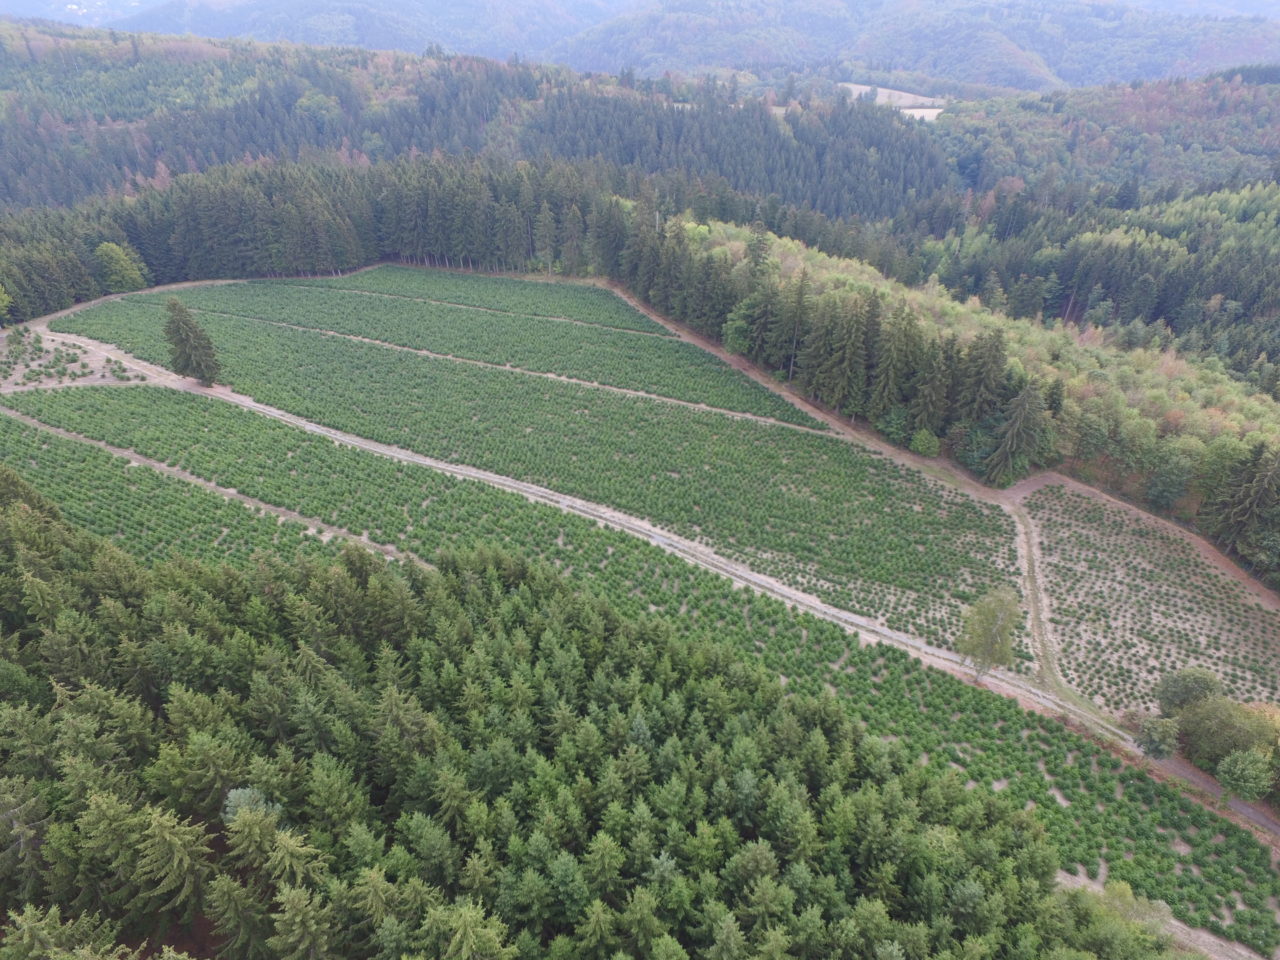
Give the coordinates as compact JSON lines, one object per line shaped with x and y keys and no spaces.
{"x":580,"y":350}
{"x":524,"y":298}
{"x":5,"y":302}
{"x":1249,"y":774}
{"x":1178,"y":690}
{"x":119,"y":270}
{"x":925,"y":443}
{"x":1125,"y":594}
{"x":1158,"y":737}
{"x":148,"y":514}
{"x":1215,"y":728}
{"x":989,"y":628}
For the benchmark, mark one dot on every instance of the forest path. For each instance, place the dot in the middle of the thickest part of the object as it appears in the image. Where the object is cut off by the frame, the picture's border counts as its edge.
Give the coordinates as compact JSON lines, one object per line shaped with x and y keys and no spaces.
{"x":1042,"y":696}
{"x":324,"y":531}
{"x":1026,"y":691}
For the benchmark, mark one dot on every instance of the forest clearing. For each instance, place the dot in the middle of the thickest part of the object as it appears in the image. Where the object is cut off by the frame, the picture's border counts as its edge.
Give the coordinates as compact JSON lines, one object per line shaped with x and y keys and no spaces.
{"x":415,"y":509}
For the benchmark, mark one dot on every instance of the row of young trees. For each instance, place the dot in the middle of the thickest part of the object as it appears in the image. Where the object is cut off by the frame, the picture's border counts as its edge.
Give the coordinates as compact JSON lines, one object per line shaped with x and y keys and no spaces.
{"x":854,"y":351}
{"x":318,"y":760}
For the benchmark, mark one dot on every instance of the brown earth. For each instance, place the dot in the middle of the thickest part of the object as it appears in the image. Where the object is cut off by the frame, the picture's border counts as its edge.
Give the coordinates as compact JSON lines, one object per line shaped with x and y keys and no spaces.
{"x":1048,"y":695}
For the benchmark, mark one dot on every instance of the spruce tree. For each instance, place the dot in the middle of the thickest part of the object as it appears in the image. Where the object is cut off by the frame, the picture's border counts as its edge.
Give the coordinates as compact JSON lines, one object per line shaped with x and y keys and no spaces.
{"x":191,"y":352}
{"x":1020,"y":437}
{"x":982,"y":376}
{"x":929,"y":405}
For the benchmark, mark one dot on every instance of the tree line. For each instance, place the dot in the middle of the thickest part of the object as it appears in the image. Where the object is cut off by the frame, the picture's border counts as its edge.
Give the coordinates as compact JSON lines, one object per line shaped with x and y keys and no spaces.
{"x":1236,"y":742}
{"x":313,"y":760}
{"x":855,"y":351}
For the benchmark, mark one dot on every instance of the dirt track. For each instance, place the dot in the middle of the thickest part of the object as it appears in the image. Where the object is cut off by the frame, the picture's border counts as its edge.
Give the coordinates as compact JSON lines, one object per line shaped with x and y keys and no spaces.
{"x":1047,"y":696}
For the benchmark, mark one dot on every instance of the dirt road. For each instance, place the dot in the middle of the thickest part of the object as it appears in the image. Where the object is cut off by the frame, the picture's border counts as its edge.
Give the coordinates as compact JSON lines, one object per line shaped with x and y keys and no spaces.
{"x":1047,"y":694}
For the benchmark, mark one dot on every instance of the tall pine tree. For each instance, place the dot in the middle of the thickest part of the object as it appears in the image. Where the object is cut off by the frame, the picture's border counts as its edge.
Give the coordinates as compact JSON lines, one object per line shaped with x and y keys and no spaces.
{"x":191,"y":352}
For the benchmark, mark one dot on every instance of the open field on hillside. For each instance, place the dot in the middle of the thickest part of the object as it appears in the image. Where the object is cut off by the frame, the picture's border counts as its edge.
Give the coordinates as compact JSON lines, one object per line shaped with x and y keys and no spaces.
{"x":662,"y":366}
{"x":1103,"y":817}
{"x":527,"y":298}
{"x":851,"y":527}
{"x":150,"y":515}
{"x":1130,"y":601}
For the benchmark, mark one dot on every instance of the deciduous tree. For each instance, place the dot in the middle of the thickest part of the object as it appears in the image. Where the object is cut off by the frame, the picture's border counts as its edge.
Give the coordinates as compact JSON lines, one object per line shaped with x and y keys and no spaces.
{"x":987,"y":638}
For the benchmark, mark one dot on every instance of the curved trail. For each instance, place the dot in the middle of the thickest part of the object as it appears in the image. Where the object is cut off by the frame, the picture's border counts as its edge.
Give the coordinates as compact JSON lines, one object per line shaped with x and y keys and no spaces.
{"x":702,"y":556}
{"x":1049,"y":697}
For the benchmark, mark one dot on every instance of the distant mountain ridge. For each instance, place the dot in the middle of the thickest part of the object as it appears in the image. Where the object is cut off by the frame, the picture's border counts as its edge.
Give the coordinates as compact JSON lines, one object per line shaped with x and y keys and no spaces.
{"x":492,"y":28}
{"x":1026,"y":44}
{"x":1029,"y":44}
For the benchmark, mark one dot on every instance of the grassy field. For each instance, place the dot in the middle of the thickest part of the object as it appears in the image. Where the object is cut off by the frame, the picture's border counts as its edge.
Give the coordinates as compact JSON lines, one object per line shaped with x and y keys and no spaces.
{"x":144,"y":512}
{"x":662,"y":366}
{"x":1097,"y":811}
{"x":1130,"y":601}
{"x":816,"y":512}
{"x":528,"y":298}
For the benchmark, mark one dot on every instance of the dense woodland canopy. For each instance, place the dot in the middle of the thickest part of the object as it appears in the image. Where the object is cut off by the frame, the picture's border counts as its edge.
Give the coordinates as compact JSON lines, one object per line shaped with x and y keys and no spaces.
{"x":317,"y":759}
{"x":1087,"y":205}
{"x":1028,"y":44}
{"x":350,"y":760}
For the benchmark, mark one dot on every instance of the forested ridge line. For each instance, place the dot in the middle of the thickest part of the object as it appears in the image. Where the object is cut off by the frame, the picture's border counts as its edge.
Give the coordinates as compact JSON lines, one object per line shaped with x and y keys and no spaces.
{"x":1080,"y":206}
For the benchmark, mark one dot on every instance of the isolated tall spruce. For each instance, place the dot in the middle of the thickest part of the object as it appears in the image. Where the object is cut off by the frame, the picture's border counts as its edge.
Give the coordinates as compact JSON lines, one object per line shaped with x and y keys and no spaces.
{"x":191,"y":351}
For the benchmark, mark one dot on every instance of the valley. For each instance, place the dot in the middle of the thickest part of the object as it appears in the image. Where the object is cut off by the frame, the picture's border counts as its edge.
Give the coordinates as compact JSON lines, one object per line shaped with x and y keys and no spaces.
{"x":320,"y":475}
{"x":472,"y":509}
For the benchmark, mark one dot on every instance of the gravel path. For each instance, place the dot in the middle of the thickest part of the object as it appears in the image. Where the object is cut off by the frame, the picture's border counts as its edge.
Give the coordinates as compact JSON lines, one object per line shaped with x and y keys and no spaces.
{"x":1046,"y":694}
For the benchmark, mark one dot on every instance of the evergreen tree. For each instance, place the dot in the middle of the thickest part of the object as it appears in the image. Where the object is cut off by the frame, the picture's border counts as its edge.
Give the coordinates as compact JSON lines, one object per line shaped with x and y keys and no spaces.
{"x":303,"y":926}
{"x":1249,"y":500}
{"x":545,"y":232}
{"x":191,"y":351}
{"x":896,"y":352}
{"x":239,"y":918}
{"x":982,"y":376}
{"x":173,"y":864}
{"x":929,"y":404}
{"x":1020,"y":438}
